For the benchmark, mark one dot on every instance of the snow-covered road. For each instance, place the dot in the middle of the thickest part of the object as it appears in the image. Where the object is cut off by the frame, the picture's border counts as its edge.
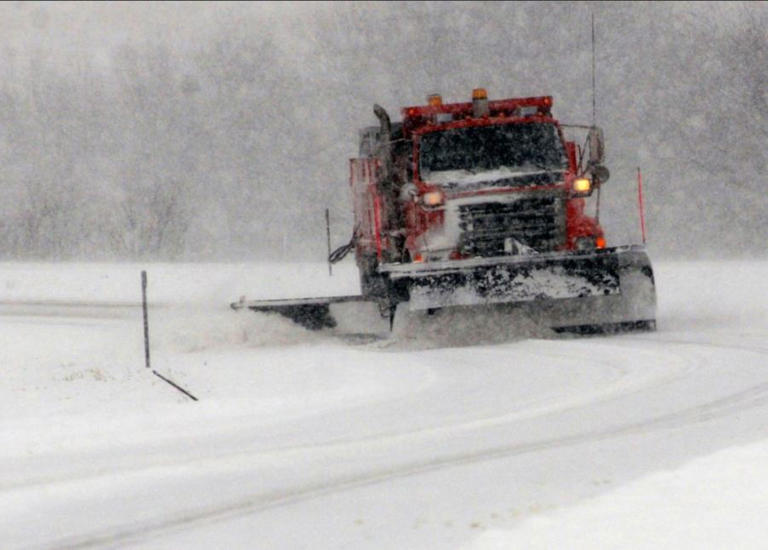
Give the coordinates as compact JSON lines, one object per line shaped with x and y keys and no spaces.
{"x":306,"y":440}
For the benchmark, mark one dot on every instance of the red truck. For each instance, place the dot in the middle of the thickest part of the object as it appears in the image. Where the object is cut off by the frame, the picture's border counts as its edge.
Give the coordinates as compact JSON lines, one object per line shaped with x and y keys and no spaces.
{"x":481,"y":203}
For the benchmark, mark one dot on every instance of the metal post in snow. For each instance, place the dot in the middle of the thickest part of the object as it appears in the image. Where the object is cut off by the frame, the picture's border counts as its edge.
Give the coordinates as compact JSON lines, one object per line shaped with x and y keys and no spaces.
{"x":328,"y":238}
{"x":640,"y":205}
{"x":146,"y":339}
{"x":175,"y":385}
{"x":146,"y":318}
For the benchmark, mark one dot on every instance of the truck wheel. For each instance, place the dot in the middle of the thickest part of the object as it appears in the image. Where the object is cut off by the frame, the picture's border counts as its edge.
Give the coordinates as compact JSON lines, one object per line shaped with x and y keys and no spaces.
{"x":372,"y":283}
{"x":381,"y":287}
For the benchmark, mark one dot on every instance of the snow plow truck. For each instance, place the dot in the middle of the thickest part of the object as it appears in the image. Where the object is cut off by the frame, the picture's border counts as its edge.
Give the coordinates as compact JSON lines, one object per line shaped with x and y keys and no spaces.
{"x":482,"y":203}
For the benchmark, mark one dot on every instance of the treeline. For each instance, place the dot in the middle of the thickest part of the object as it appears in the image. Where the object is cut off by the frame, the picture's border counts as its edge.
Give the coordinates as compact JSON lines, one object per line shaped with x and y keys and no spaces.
{"x":161,"y":154}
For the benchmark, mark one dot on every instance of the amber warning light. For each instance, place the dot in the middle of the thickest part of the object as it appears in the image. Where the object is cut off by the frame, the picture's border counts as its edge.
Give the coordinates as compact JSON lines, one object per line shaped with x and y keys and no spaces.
{"x":480,"y":103}
{"x":434,"y":100}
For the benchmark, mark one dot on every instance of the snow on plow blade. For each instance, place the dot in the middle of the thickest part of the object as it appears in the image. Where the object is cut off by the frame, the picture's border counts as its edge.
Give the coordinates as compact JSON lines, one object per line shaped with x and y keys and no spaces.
{"x":510,"y":279}
{"x":600,"y":291}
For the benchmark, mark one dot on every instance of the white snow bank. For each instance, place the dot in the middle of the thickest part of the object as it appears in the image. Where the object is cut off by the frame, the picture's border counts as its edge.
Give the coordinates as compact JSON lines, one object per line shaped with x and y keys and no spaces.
{"x":715,"y":502}
{"x":180,"y":284}
{"x":88,"y":432}
{"x":187,"y":330}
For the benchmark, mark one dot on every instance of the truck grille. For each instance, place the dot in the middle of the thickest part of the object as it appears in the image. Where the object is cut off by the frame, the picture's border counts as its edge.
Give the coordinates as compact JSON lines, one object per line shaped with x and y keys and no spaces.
{"x":499,"y":228}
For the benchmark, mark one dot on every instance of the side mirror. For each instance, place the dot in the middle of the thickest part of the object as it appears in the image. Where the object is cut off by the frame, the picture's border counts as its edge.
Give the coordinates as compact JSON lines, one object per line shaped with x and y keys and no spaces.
{"x":596,"y":145}
{"x":599,"y":173}
{"x":409,"y":192}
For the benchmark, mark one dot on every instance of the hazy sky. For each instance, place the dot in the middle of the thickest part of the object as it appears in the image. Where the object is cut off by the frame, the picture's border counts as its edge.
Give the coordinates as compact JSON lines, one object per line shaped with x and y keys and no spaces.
{"x":282,"y":89}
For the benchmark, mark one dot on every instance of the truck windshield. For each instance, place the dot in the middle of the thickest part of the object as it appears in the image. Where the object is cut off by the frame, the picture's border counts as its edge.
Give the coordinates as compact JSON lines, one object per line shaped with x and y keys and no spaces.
{"x":466,"y":155}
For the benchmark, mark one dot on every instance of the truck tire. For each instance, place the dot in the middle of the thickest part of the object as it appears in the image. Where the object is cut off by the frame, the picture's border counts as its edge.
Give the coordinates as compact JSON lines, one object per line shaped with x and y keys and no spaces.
{"x":372,"y":283}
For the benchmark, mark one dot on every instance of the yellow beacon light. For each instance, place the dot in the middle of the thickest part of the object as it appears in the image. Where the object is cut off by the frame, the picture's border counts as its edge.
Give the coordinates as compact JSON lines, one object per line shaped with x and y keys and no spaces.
{"x":434,"y":100}
{"x":582,"y":185}
{"x":480,"y":103}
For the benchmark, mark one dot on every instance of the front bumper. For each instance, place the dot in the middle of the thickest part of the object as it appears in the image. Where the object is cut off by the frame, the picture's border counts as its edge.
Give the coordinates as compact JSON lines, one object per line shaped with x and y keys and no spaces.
{"x":517,"y":278}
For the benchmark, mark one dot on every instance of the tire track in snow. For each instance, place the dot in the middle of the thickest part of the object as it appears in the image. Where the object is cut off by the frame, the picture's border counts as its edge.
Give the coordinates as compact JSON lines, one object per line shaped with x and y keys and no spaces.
{"x":626,"y":384}
{"x":751,"y":397}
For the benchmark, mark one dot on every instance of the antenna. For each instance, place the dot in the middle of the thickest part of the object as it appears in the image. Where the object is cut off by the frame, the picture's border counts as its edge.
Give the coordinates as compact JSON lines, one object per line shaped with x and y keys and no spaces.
{"x":594,"y":111}
{"x":594,"y":103}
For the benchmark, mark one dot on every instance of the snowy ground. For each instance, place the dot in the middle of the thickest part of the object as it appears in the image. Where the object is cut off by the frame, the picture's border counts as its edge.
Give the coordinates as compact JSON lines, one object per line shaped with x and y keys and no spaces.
{"x":307,"y":440}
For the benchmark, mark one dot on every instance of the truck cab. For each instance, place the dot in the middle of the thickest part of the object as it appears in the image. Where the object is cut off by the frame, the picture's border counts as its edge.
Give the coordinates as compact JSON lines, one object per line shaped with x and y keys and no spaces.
{"x":470,"y":180}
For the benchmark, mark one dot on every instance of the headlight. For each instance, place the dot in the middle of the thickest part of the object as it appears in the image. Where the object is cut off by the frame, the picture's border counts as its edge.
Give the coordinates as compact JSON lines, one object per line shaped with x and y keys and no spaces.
{"x":433,"y":198}
{"x":582,"y":185}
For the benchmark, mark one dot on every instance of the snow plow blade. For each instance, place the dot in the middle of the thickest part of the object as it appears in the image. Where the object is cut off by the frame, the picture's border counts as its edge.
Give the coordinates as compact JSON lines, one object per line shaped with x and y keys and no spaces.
{"x":311,"y":313}
{"x":607,"y":290}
